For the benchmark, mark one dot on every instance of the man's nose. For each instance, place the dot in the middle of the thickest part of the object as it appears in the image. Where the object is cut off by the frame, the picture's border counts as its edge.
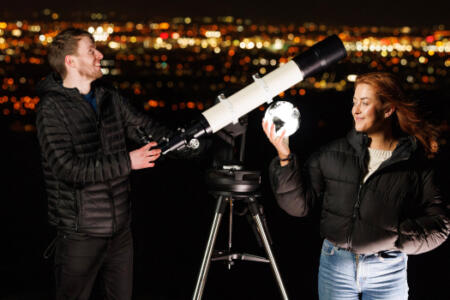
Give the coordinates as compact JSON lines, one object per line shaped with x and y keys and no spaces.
{"x":99,"y":55}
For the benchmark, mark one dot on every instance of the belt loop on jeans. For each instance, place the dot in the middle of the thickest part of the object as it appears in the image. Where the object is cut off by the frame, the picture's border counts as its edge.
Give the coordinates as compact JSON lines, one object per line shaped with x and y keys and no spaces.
{"x":335,"y":246}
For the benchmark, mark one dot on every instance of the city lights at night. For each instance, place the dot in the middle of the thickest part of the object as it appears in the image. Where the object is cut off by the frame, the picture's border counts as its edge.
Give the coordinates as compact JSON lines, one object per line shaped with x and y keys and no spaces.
{"x":174,"y":61}
{"x":229,"y":51}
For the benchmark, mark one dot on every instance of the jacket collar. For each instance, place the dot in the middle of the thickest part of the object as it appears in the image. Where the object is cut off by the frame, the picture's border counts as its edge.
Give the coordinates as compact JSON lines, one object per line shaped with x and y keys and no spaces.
{"x":358,"y":140}
{"x":406,"y":147}
{"x":53,"y":83}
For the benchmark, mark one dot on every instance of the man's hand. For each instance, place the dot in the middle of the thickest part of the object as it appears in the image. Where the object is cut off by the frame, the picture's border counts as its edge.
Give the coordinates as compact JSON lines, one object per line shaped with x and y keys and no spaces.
{"x":144,"y":157}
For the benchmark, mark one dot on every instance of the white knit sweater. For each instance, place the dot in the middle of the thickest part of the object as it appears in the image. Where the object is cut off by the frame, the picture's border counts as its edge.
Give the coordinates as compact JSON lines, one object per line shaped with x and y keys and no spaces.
{"x":376,"y":158}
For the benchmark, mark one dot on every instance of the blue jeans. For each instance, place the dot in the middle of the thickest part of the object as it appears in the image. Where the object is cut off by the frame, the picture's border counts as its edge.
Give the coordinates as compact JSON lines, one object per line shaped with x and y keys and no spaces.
{"x":344,"y":275}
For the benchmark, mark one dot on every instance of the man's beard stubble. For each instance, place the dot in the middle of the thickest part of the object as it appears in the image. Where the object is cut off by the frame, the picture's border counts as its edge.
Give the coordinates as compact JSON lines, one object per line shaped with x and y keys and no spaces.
{"x":91,"y":75}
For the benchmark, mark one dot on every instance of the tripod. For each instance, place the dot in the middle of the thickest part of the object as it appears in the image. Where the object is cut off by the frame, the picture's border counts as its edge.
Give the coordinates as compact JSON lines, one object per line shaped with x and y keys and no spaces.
{"x":230,"y":184}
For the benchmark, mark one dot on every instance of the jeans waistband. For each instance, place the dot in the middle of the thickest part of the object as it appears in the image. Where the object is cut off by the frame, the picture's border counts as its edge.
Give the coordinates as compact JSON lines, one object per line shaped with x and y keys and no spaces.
{"x":379,"y":253}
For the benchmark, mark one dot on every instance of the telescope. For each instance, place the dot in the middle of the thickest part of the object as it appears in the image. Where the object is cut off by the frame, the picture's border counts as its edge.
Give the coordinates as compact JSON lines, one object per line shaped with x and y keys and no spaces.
{"x":316,"y":59}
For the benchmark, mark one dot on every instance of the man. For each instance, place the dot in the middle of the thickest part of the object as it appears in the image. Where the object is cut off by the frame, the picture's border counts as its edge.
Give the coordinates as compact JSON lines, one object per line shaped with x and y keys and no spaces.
{"x":82,"y":124}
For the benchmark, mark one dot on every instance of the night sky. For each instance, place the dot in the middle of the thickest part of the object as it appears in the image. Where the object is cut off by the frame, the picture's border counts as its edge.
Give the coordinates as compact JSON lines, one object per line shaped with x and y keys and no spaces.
{"x":350,"y":12}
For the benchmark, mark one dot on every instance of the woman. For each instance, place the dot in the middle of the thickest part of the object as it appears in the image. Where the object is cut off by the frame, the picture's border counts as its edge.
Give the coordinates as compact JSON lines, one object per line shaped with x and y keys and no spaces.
{"x":376,"y":190}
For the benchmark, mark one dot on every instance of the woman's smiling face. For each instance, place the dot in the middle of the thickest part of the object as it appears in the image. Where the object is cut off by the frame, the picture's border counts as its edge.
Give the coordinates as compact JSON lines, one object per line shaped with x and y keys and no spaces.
{"x":368,"y":112}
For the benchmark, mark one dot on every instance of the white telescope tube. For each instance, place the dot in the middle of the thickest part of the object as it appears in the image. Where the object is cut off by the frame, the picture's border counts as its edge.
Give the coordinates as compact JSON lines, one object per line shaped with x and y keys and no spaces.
{"x":229,"y":110}
{"x":252,"y":96}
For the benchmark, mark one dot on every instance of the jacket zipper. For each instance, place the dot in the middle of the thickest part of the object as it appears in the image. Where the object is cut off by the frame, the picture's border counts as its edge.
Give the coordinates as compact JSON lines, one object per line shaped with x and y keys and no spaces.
{"x":113,"y":207}
{"x":356,"y":206}
{"x":77,"y":192}
{"x":357,"y":203}
{"x":355,"y":214}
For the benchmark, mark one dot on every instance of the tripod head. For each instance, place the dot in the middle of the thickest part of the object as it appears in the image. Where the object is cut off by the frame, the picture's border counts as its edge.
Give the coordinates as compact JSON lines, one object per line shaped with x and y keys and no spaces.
{"x":229,"y":176}
{"x":233,"y":138}
{"x":233,"y":181}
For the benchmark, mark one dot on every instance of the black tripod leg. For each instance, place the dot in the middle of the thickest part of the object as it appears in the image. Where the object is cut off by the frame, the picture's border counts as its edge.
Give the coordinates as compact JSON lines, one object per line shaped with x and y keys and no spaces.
{"x":256,"y":214}
{"x":201,"y":280}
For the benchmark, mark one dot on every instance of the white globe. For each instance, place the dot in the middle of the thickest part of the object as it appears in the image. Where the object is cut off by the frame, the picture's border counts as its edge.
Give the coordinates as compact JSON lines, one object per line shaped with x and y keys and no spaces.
{"x":285,"y":116}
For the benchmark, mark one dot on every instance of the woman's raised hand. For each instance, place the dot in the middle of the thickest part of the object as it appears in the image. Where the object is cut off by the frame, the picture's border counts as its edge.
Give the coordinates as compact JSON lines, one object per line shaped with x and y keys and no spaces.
{"x":280,"y":142}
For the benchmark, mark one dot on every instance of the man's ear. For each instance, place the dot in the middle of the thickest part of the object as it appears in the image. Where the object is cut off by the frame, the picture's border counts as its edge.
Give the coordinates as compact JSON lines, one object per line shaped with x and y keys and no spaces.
{"x":69,"y":61}
{"x":389,"y":111}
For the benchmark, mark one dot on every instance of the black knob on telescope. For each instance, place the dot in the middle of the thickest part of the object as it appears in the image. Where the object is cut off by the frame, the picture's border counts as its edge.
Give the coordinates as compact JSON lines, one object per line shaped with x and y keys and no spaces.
{"x":184,"y":139}
{"x":320,"y":56}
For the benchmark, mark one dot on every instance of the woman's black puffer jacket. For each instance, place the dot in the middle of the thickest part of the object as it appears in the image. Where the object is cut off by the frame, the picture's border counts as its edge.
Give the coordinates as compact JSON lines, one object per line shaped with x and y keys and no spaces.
{"x":85,"y":160}
{"x":398,"y":207}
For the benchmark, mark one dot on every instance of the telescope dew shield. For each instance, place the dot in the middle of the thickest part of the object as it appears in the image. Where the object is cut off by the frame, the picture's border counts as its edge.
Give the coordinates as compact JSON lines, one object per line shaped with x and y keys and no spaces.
{"x":317,"y":58}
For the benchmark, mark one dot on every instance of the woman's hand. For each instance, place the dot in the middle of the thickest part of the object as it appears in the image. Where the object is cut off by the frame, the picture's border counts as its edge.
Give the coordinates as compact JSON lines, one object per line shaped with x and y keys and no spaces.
{"x":280,"y":143}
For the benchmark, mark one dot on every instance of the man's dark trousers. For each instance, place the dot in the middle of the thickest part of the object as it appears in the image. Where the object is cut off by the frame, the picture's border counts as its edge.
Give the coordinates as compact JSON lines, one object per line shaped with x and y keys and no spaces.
{"x":80,"y":260}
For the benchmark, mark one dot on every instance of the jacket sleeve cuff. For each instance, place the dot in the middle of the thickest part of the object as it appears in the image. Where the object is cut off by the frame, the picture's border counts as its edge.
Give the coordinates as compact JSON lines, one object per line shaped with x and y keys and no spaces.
{"x":278,"y":172}
{"x":275,"y":164}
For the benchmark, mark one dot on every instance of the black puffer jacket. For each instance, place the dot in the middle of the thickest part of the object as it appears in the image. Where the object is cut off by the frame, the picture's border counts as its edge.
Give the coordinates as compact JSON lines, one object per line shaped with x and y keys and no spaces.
{"x":397,"y":207}
{"x":85,"y":160}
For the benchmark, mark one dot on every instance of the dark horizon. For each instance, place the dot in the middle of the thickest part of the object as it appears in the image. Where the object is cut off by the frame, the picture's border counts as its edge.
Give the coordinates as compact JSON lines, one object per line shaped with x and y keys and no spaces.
{"x":350,"y":12}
